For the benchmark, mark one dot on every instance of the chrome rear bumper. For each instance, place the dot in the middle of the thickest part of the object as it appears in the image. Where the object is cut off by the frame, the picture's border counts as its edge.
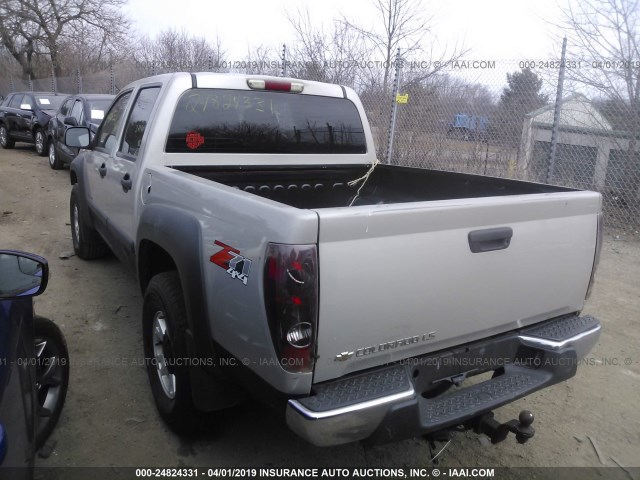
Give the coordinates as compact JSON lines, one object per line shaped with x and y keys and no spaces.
{"x":387,"y":403}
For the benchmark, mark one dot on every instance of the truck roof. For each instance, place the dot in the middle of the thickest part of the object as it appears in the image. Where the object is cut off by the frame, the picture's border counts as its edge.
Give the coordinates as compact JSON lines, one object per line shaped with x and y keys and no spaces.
{"x":239,"y":81}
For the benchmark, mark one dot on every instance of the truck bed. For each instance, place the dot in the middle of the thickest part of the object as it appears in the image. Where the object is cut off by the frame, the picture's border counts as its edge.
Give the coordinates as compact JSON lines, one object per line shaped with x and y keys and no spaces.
{"x":328,"y":187}
{"x":494,"y":253}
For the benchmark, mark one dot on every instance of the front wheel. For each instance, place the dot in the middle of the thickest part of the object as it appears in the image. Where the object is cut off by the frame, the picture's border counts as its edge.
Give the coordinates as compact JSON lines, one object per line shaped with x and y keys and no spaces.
{"x":40,"y":139}
{"x":87,"y":243}
{"x":54,"y":161}
{"x":52,"y":376}
{"x":5,"y":141}
{"x":164,"y":323}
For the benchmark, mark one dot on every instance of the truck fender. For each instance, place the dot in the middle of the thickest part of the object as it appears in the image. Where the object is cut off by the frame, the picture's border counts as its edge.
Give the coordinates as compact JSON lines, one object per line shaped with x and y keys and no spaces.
{"x":178,"y":234}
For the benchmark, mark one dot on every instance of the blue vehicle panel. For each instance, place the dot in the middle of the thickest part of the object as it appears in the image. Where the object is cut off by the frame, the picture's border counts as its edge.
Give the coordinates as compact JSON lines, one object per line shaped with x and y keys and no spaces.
{"x":34,"y":360}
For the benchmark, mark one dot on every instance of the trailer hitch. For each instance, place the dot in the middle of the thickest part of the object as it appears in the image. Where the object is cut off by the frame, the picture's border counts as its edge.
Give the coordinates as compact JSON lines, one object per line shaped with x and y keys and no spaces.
{"x":498,"y":432}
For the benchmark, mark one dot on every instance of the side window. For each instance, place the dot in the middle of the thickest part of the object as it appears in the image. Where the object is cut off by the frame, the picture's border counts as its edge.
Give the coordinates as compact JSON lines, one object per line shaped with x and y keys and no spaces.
{"x":64,"y":109}
{"x":16,"y":100}
{"x":76,"y":111}
{"x":137,"y":123}
{"x":113,"y":119}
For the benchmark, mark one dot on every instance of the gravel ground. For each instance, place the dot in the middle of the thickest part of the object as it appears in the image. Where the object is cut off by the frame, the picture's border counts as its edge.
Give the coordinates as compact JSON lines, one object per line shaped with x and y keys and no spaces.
{"x":110,"y":420}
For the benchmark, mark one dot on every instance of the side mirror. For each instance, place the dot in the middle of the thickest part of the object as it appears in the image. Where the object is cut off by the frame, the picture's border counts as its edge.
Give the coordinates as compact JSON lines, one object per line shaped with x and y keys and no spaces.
{"x":78,"y":137}
{"x":71,"y":121}
{"x":26,"y":106}
{"x":22,"y":274}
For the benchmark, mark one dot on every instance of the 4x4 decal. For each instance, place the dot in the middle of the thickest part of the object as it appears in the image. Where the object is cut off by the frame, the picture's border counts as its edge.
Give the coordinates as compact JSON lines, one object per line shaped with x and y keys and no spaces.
{"x":230,"y":259}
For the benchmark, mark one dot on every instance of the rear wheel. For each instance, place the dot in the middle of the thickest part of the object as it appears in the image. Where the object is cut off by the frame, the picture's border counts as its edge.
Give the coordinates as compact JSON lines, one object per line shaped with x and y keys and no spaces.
{"x":87,"y":243}
{"x":40,"y":139}
{"x":54,"y":161}
{"x":52,"y":376}
{"x":5,"y":141}
{"x":164,"y":323}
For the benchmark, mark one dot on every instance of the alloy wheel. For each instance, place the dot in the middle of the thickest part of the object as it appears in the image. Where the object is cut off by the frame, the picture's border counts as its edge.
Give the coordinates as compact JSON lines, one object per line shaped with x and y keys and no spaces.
{"x":160,"y":353}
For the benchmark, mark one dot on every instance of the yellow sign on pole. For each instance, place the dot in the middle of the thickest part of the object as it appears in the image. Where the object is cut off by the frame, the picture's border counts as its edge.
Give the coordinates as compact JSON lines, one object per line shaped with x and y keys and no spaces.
{"x":402,"y":98}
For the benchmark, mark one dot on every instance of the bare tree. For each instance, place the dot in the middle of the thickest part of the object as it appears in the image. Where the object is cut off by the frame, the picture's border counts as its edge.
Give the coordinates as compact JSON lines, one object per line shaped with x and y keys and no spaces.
{"x":173,"y":50}
{"x":40,"y":27}
{"x":334,"y":57}
{"x":404,"y":25}
{"x":91,"y":50}
{"x":605,"y":36}
{"x":455,"y":95}
{"x":18,"y":38}
{"x":262,"y":60}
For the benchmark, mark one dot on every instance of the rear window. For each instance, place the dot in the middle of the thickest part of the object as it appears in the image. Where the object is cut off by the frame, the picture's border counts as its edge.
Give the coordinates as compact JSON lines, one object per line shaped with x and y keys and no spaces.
{"x":97,"y":108}
{"x":238,"y":121}
{"x":50,"y":102}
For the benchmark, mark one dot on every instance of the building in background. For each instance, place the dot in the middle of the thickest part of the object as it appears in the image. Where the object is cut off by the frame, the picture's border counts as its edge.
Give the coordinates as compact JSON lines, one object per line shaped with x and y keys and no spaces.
{"x":590,"y":153}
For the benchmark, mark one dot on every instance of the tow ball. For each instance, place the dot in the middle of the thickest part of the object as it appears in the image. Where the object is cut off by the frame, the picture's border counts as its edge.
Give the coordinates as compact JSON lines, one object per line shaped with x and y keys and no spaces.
{"x":498,"y":432}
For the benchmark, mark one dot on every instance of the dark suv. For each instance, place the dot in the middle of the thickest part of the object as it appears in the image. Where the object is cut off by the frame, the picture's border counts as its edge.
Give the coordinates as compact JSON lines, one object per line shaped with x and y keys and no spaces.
{"x":84,"y":110}
{"x":24,"y":117}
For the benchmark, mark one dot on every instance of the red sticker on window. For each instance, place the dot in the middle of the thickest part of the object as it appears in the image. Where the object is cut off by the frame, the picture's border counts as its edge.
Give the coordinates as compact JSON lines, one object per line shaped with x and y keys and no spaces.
{"x":194,"y":140}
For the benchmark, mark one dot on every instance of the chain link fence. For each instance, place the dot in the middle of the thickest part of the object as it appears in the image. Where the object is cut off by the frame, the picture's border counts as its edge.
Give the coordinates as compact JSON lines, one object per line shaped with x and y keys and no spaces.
{"x":498,"y":118}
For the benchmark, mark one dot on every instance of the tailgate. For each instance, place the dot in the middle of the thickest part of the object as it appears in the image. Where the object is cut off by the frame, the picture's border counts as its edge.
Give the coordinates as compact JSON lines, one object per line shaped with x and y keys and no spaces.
{"x":401,"y":280}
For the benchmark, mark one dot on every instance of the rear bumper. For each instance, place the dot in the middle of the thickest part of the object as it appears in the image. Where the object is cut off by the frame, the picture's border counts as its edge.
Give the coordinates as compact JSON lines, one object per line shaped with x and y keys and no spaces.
{"x":400,"y":400}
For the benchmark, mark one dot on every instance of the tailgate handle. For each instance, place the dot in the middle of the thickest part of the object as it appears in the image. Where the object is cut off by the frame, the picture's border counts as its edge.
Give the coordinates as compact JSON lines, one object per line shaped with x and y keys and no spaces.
{"x":490,"y":239}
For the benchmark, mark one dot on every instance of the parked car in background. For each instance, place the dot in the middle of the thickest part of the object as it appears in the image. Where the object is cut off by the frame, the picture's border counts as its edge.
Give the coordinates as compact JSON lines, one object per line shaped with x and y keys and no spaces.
{"x":24,"y":117}
{"x":84,"y":110}
{"x":34,"y":365}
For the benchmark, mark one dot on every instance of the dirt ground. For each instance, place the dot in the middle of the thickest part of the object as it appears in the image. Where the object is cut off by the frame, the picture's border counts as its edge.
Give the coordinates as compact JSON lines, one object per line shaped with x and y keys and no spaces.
{"x":110,"y":420}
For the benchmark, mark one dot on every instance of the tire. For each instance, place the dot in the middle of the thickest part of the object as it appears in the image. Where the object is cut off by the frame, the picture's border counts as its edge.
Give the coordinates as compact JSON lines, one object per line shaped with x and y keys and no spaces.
{"x":6,"y":141}
{"x":54,"y":161}
{"x":164,"y":323}
{"x":87,"y":243}
{"x":52,"y":376}
{"x":40,"y":140}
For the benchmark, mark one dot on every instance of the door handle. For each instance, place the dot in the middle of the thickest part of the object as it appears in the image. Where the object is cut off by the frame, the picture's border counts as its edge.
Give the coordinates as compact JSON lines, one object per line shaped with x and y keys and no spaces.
{"x":102,"y":170}
{"x":490,"y":239}
{"x":126,"y":182}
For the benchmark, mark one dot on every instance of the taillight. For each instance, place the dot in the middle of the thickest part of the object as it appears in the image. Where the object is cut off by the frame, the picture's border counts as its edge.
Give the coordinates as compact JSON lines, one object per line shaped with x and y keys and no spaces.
{"x":596,"y":257}
{"x":291,"y":300}
{"x":276,"y":85}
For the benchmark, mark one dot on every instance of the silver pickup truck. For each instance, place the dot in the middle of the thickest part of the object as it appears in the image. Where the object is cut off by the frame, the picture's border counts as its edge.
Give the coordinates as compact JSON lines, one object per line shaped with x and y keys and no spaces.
{"x":277,"y":257}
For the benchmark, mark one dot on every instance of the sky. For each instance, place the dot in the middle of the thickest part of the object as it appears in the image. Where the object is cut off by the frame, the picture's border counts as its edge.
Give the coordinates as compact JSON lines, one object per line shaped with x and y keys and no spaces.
{"x":493,"y":29}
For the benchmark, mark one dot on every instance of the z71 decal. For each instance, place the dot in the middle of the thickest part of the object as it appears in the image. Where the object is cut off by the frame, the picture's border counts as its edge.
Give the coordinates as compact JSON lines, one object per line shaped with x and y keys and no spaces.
{"x":230,"y":259}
